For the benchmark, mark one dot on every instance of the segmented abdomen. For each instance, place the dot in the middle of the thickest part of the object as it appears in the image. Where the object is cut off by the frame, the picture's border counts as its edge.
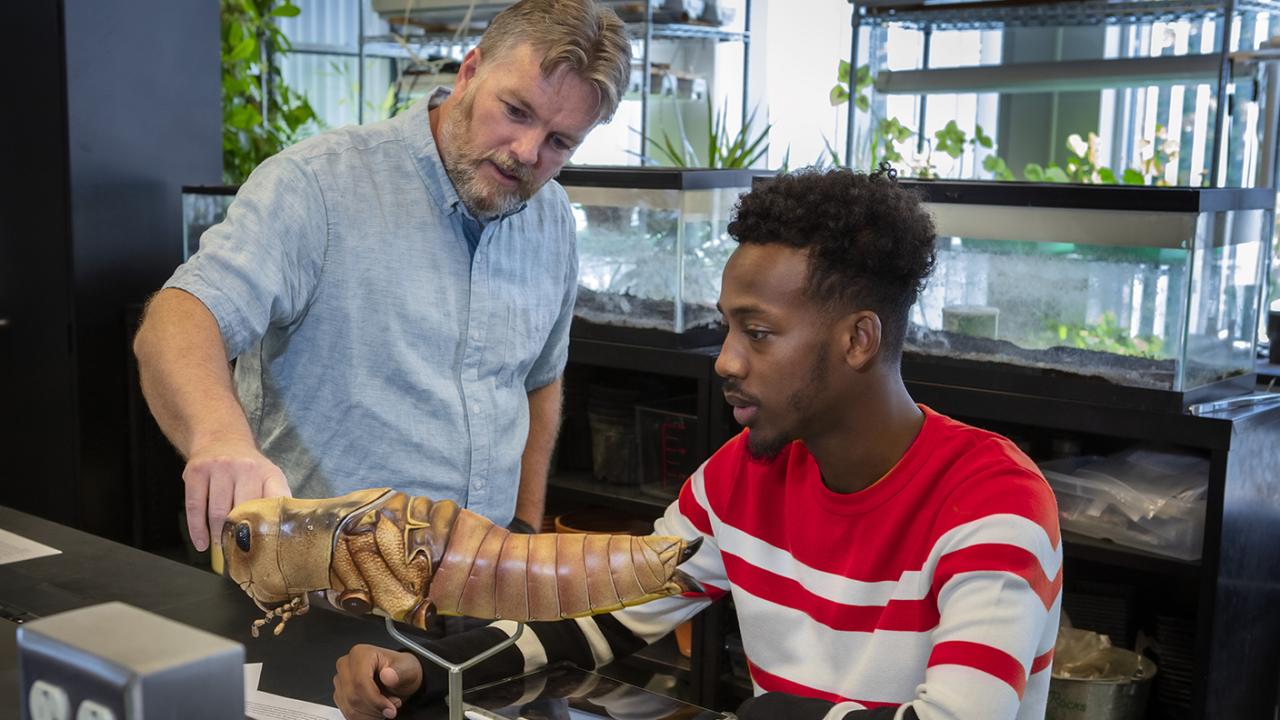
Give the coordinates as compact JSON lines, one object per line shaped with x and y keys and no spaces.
{"x":488,"y":572}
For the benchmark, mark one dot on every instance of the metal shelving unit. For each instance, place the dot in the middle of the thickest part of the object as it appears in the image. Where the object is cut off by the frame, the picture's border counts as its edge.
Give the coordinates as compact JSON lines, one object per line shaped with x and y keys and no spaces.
{"x":1215,"y":68}
{"x":442,"y":33}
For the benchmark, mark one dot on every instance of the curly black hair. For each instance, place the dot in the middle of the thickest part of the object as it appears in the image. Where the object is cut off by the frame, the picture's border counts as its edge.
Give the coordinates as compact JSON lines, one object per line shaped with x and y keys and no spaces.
{"x":869,"y":239}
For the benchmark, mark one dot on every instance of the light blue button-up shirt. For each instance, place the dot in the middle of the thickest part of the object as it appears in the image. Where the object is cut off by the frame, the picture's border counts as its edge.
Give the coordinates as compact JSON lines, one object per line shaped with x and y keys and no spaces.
{"x":372,"y":347}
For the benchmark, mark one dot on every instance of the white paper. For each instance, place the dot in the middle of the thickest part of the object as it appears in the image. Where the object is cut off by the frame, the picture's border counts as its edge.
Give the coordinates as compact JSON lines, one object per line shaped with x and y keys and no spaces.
{"x":265,"y":706}
{"x":252,"y":674}
{"x":15,"y":548}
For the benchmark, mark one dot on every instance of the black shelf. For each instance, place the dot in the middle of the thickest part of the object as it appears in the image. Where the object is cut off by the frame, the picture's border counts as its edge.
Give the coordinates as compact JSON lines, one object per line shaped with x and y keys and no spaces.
{"x":581,"y":488}
{"x":1093,"y":197}
{"x":1104,"y":552}
{"x":1204,"y":432}
{"x":687,"y":363}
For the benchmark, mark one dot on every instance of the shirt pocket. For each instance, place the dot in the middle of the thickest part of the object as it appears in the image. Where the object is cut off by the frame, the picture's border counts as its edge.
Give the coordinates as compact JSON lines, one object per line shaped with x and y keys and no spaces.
{"x":528,"y":327}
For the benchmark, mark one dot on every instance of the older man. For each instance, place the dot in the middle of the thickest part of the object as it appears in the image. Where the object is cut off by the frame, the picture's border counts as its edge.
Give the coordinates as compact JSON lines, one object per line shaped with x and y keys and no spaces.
{"x":396,"y":296}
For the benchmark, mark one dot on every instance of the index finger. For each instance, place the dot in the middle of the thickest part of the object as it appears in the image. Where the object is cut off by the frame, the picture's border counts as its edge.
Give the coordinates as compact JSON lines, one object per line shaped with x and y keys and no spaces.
{"x":195,"y":503}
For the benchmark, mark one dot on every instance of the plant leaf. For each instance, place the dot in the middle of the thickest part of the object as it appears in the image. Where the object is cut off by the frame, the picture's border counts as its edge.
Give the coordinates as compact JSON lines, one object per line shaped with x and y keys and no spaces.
{"x":862,"y":78}
{"x":1107,"y":175}
{"x":862,"y":103}
{"x":1133,"y":177}
{"x":286,"y":10}
{"x":842,"y":72}
{"x":839,"y":95}
{"x":1034,"y":172}
{"x":1055,"y":174}
{"x":244,"y":50}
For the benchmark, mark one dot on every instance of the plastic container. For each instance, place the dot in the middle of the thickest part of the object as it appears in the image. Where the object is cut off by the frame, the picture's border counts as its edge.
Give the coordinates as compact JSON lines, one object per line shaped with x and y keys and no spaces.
{"x":1146,"y":499}
{"x":611,"y":414}
{"x":668,"y":434}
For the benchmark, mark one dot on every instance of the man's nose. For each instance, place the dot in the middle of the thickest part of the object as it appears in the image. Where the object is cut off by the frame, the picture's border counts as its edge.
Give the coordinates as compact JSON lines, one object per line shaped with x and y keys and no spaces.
{"x":729,"y":362}
{"x":526,"y":147}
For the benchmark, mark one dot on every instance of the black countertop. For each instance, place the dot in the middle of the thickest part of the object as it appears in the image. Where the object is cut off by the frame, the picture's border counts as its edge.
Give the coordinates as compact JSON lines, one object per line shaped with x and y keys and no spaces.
{"x":91,"y":570}
{"x":297,"y":664}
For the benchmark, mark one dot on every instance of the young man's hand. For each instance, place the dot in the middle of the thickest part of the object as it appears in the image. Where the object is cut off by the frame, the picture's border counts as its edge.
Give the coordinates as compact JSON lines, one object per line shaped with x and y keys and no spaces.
{"x":373,"y":682}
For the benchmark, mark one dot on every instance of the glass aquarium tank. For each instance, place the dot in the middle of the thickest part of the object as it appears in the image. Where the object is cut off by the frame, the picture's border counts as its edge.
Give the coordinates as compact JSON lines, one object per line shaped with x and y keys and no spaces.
{"x":652,"y":244}
{"x":203,"y":206}
{"x":1139,"y":296}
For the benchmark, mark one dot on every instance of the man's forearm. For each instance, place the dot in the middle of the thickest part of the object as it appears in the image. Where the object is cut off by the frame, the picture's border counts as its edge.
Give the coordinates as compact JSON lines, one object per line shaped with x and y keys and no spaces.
{"x":184,"y":373}
{"x":535,"y":463}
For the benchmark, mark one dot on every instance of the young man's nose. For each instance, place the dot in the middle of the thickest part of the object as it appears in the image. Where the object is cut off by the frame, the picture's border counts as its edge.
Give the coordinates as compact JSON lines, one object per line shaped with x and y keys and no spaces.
{"x":729,"y":363}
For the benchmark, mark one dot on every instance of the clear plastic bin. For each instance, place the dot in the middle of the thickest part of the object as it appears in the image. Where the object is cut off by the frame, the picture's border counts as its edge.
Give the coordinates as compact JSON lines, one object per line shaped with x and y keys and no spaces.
{"x":668,"y":432}
{"x":1146,"y":499}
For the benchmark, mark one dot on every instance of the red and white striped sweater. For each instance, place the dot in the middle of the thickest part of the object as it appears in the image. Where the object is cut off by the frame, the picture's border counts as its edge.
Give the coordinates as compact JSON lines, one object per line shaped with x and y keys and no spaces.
{"x":932,"y":594}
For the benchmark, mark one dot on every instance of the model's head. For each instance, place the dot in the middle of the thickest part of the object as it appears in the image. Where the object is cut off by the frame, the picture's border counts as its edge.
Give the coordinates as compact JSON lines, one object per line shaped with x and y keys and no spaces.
{"x":543,"y":75}
{"x":816,"y":297}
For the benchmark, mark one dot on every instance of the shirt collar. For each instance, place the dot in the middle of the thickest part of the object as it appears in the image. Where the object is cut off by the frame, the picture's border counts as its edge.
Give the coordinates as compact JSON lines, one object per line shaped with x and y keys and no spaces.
{"x":417,"y":132}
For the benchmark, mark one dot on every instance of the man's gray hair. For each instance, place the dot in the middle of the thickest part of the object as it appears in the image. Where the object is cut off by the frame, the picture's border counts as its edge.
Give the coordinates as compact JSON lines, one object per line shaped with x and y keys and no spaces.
{"x":581,"y":35}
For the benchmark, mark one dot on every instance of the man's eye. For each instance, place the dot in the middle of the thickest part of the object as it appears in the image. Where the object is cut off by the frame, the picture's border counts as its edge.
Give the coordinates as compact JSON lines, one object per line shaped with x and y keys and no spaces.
{"x":755,"y":334}
{"x":514,"y":112}
{"x":561,"y":144}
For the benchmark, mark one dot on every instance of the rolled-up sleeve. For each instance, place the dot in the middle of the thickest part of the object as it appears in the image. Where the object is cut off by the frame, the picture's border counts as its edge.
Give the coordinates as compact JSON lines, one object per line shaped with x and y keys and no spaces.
{"x":259,"y":267}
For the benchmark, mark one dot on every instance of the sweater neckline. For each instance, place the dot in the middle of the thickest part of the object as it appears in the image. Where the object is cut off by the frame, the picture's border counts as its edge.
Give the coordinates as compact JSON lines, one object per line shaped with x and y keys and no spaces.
{"x":881,"y":491}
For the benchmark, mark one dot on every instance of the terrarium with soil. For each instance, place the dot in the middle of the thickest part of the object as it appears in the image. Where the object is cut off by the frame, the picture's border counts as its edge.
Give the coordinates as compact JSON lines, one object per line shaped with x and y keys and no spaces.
{"x":652,"y":244}
{"x":1138,"y":296}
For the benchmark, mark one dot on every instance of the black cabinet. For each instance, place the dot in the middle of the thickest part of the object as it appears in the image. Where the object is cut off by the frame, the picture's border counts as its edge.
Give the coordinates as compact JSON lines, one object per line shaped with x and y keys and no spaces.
{"x":116,"y":104}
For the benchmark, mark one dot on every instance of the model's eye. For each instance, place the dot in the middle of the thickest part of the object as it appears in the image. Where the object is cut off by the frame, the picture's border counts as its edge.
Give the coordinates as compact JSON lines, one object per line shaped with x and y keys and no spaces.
{"x":242,"y":537}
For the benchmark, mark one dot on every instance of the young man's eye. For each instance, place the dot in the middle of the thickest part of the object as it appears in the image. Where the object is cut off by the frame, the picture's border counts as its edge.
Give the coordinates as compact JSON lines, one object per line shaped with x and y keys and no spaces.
{"x":514,"y":112}
{"x":756,"y":333}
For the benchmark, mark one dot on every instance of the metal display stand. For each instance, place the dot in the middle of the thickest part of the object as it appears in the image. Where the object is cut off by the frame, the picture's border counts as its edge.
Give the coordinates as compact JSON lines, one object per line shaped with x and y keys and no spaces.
{"x":455,"y":669}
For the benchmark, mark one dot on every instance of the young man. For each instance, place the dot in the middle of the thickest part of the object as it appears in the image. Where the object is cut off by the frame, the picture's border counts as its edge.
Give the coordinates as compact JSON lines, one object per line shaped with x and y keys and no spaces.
{"x":885,"y":561}
{"x":397,"y":296}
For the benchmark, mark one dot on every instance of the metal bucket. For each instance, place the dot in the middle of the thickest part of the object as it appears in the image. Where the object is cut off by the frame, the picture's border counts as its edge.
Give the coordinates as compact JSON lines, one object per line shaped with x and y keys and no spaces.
{"x":1112,"y":698}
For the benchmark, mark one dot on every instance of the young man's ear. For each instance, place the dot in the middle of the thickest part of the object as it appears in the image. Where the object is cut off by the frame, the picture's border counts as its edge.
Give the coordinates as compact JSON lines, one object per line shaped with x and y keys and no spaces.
{"x":860,"y":332}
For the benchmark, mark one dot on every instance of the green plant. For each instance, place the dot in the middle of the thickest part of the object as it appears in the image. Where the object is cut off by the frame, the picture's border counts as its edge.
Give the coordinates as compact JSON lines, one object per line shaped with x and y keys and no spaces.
{"x":841,"y":92}
{"x":260,"y":114}
{"x":740,"y":150}
{"x":1082,"y":163}
{"x":1106,"y":336}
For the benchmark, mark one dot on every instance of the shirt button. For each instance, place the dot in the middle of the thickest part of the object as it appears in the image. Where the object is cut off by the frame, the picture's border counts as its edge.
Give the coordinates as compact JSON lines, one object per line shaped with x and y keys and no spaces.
{"x":475,"y":408}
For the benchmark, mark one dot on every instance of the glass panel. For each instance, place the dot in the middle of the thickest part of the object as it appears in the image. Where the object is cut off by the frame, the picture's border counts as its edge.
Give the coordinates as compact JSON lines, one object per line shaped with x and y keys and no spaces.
{"x":1085,"y":309}
{"x":1223,"y":303}
{"x":627,"y":269}
{"x":651,"y":258}
{"x":199,"y":213}
{"x":1154,"y":300}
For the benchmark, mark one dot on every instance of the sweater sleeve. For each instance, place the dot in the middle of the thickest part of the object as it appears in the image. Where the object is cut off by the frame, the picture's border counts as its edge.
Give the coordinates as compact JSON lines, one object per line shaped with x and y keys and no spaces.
{"x":593,"y":641}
